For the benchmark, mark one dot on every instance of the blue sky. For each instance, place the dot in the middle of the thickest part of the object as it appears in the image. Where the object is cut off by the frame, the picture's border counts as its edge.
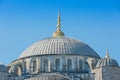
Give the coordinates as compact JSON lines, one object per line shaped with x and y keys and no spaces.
{"x":24,"y":22}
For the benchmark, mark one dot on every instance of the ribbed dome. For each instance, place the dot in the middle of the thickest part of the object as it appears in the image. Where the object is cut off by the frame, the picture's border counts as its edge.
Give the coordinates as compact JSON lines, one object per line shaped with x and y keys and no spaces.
{"x":107,"y":61}
{"x":59,"y":45}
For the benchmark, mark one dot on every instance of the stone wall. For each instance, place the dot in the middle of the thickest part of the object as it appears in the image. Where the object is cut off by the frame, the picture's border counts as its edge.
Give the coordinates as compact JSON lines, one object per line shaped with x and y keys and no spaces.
{"x":98,"y":73}
{"x":111,"y":73}
{"x":107,"y":73}
{"x":3,"y":75}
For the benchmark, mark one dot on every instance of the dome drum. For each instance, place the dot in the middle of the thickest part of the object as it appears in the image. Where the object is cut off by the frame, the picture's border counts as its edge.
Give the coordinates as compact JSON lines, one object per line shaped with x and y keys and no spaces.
{"x":53,"y":63}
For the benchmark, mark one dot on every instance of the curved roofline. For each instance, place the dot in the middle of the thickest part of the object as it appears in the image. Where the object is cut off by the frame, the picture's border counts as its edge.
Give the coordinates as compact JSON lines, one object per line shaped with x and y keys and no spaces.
{"x":107,"y":61}
{"x":64,"y":45}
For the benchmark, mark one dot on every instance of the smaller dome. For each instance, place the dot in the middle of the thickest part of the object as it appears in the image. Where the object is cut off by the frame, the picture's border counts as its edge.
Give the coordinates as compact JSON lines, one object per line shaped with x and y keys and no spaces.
{"x":107,"y":61}
{"x":3,"y":68}
{"x":49,"y":76}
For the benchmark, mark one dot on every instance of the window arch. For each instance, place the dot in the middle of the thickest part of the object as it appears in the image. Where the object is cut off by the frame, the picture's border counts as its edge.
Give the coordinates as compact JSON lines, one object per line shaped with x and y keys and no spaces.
{"x":34,"y":65}
{"x":80,"y":65}
{"x":25,"y":67}
{"x":16,"y":70}
{"x":57,"y":64}
{"x":46,"y":65}
{"x":86,"y":66}
{"x":94,"y":62}
{"x":69,"y":64}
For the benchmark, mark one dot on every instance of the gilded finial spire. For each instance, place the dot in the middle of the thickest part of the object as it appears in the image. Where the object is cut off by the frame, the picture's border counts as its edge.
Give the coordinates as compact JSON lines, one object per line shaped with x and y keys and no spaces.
{"x":58,"y":21}
{"x":58,"y":32}
{"x":107,"y":54}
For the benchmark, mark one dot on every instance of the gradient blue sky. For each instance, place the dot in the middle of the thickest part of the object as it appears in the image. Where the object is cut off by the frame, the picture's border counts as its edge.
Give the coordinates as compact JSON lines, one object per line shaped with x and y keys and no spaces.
{"x":24,"y":22}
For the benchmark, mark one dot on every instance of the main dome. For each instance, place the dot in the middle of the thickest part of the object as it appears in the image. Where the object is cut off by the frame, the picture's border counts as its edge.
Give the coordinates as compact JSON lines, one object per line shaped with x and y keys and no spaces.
{"x":59,"y":45}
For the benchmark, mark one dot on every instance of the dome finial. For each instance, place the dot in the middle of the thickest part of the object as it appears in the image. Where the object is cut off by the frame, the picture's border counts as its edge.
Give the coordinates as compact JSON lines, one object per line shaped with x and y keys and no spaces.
{"x":58,"y":21}
{"x":107,"y":54}
{"x":58,"y":31}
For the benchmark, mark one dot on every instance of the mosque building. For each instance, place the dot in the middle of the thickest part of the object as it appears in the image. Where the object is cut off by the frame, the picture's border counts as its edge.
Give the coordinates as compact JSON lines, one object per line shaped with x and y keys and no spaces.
{"x":60,"y":58}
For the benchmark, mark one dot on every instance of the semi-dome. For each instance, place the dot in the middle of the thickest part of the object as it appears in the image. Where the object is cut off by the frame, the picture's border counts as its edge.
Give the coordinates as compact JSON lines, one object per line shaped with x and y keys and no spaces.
{"x":59,"y":45}
{"x":107,"y":61}
{"x":49,"y":76}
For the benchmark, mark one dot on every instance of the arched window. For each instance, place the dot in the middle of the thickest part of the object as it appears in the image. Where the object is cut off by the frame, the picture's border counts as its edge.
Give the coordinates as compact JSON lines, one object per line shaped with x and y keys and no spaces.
{"x":57,"y":64}
{"x":69,"y":64}
{"x":34,"y":65}
{"x":46,"y":65}
{"x":86,"y":66}
{"x":94,"y":62}
{"x":16,"y":70}
{"x":80,"y":65}
{"x":25,"y":67}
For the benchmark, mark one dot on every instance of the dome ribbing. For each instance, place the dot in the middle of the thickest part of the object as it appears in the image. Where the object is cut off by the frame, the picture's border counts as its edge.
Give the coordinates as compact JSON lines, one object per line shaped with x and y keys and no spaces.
{"x":59,"y":45}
